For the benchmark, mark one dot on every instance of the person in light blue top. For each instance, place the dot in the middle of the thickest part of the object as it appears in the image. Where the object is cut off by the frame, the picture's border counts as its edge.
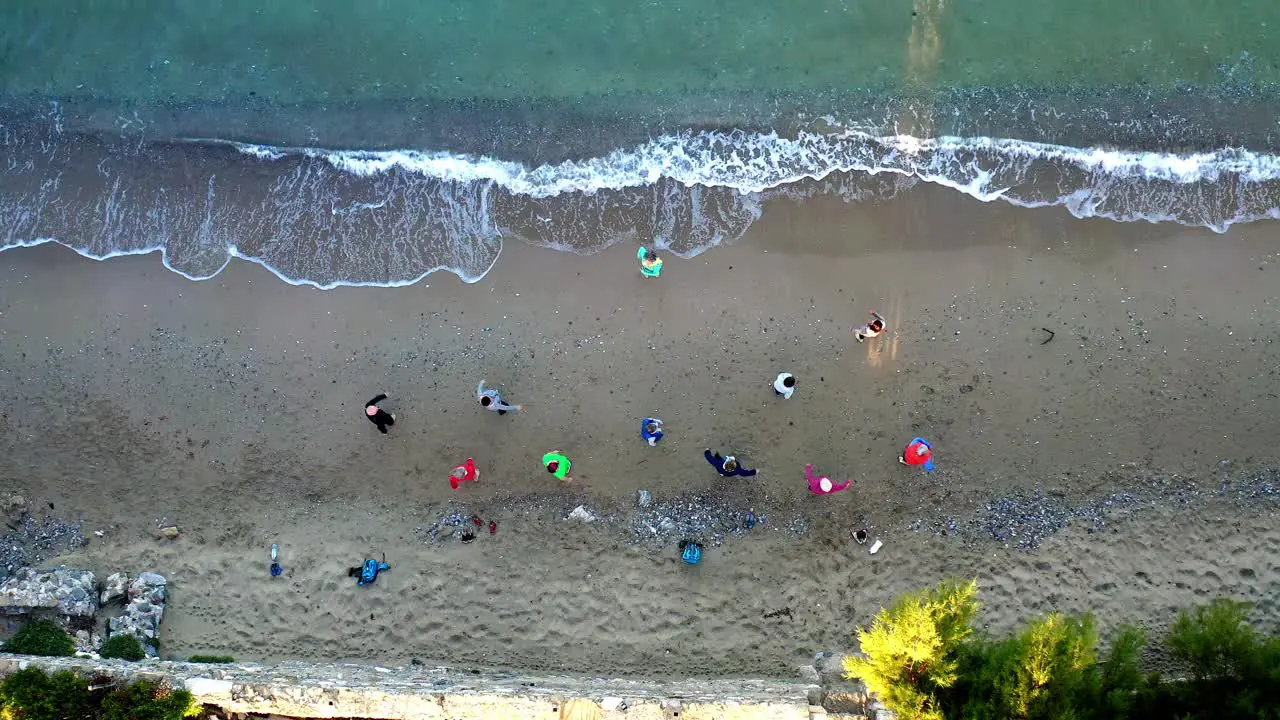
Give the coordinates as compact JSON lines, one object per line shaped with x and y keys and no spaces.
{"x":651,"y":430}
{"x":367,"y":573}
{"x":690,"y":552}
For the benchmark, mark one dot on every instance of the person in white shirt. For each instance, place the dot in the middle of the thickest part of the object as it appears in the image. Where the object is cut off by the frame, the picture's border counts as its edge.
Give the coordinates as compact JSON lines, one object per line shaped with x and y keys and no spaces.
{"x":491,"y":400}
{"x":871,"y":329}
{"x":784,"y":385}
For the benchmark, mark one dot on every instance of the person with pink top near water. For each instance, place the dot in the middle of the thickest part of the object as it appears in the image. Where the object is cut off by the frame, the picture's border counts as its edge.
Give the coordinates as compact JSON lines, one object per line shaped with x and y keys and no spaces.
{"x":823,"y":485}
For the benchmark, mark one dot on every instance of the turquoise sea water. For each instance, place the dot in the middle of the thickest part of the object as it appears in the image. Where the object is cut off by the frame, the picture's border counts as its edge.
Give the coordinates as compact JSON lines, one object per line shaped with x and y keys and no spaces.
{"x":395,"y":49}
{"x":402,"y":137}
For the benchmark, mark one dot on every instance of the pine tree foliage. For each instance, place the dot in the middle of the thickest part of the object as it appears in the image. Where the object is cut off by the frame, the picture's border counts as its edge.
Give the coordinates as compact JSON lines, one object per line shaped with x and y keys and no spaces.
{"x":910,"y":650}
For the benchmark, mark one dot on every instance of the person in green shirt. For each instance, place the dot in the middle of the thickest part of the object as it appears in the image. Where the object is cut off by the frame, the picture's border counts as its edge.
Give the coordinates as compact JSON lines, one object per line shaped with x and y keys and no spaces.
{"x":557,"y":463}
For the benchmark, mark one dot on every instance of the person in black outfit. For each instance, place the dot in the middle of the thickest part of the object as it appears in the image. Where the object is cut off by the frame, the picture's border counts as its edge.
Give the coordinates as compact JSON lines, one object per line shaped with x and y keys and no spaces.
{"x":727,"y":465}
{"x":377,"y":415}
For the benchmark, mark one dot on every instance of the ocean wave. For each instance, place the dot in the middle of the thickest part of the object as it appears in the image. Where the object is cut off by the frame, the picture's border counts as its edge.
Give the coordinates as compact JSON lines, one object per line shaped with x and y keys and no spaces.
{"x":330,"y":218}
{"x":1210,"y":189}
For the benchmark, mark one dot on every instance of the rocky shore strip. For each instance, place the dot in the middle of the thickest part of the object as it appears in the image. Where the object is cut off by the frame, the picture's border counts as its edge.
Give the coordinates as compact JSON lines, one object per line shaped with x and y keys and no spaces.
{"x":89,"y":610}
{"x":317,"y":690}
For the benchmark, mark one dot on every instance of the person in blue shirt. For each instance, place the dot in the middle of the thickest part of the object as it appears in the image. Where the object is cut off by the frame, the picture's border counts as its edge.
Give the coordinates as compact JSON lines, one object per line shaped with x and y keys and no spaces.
{"x":368,"y":572}
{"x":691,"y":551}
{"x":727,"y":465}
{"x":651,"y":430}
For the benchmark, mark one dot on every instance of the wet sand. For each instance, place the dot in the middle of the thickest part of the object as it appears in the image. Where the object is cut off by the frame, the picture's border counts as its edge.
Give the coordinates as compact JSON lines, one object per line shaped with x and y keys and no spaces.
{"x":1131,"y":450}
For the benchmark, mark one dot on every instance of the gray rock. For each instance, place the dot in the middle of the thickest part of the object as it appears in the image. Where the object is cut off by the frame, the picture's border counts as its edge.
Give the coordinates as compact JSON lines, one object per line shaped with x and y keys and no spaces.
{"x":144,"y":611}
{"x":809,"y":674}
{"x":150,"y":587}
{"x":116,"y":587}
{"x":87,"y":642}
{"x":150,"y":578}
{"x":15,"y":506}
{"x":581,"y":513}
{"x":60,"y":591}
{"x":644,"y":498}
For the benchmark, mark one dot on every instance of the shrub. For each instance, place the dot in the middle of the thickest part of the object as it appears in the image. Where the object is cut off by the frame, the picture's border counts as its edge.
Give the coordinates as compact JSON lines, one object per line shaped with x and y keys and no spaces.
{"x":1121,"y":679}
{"x":122,"y":647}
{"x":148,"y":700}
{"x":911,"y":649}
{"x":1049,"y":670}
{"x":211,"y":659}
{"x":1214,"y":641}
{"x":41,"y":637}
{"x":1236,"y":670}
{"x":30,"y":694}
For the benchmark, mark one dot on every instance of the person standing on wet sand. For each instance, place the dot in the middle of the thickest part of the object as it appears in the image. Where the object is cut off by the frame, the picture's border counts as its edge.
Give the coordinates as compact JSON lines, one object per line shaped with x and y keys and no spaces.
{"x":650,"y":263}
{"x":557,"y":463}
{"x":784,"y":385}
{"x":491,"y":400}
{"x":464,"y":473}
{"x":871,"y":329}
{"x":377,"y":415}
{"x":822,"y":485}
{"x":727,"y":465}
{"x":651,"y":431}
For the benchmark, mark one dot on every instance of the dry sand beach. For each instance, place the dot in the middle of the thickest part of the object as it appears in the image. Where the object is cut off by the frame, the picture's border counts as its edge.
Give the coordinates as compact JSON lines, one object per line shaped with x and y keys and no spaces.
{"x":1126,"y":466}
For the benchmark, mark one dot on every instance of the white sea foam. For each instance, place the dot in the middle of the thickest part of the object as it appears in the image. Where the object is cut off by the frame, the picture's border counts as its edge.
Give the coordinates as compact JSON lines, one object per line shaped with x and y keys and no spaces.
{"x":753,"y":163}
{"x":328,"y":218}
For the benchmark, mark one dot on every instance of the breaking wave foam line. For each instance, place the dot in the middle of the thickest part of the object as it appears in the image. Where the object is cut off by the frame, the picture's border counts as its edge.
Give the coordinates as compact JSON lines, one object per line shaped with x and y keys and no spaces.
{"x":1088,"y":182}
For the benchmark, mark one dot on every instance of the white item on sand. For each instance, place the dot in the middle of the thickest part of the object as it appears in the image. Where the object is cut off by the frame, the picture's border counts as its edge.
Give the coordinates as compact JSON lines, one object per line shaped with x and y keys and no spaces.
{"x":875,"y":547}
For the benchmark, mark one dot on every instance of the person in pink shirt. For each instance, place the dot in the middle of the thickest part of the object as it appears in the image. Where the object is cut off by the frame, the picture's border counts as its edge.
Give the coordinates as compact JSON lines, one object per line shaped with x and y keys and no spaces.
{"x":823,"y":485}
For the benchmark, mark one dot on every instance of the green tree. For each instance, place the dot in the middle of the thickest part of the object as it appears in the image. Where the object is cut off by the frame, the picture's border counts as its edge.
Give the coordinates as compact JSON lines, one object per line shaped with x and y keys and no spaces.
{"x":1057,"y":655}
{"x":41,"y":637}
{"x":1236,"y":670}
{"x":1215,"y":641}
{"x":1121,"y":678}
{"x":910,"y":650}
{"x":30,"y":694}
{"x":148,"y":700}
{"x":122,"y":647}
{"x":1049,"y":670}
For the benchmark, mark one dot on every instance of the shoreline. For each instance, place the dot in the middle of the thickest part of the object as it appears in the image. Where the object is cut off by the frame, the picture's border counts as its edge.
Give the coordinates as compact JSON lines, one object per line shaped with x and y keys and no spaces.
{"x":230,"y":408}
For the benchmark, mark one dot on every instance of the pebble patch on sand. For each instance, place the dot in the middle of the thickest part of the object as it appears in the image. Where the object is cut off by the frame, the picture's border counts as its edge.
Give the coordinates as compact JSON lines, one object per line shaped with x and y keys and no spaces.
{"x":1023,"y":521}
{"x":654,"y":524}
{"x":28,"y":542}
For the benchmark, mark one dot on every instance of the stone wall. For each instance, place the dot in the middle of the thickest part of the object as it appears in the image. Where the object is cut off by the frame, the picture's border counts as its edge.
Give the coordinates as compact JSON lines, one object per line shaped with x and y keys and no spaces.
{"x":418,"y":692}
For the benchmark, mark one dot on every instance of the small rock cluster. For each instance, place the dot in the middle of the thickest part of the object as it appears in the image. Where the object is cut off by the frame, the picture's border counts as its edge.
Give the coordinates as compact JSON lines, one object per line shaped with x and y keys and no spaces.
{"x":61,"y":591}
{"x":665,"y":521}
{"x":73,"y":598}
{"x":29,"y":540}
{"x":144,"y":608}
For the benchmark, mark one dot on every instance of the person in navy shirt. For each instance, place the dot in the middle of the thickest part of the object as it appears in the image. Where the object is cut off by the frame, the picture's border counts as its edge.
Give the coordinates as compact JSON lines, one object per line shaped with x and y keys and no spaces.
{"x":727,"y":465}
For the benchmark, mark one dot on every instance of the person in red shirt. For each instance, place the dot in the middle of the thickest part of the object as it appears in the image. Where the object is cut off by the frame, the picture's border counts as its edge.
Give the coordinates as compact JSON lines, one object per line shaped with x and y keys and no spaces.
{"x":918,"y":452}
{"x":464,"y":473}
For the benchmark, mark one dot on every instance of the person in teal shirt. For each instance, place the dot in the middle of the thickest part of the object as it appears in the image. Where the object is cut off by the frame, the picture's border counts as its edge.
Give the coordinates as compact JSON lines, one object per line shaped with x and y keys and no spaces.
{"x":650,"y":263}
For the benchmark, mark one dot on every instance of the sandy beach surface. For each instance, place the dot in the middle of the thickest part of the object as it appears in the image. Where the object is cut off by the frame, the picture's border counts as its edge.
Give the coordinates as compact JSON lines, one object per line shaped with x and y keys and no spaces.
{"x":1126,"y":466}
